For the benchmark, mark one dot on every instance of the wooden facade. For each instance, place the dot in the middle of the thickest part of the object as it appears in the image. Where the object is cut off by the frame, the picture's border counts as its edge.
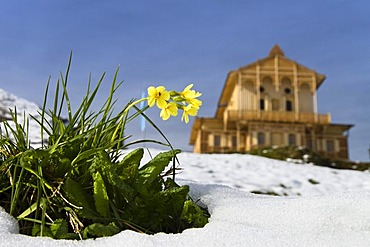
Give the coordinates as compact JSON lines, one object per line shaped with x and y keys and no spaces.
{"x":270,"y":102}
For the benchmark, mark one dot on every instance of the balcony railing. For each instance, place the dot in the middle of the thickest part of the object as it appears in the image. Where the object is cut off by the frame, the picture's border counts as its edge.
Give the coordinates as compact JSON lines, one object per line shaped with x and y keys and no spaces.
{"x":275,"y":116}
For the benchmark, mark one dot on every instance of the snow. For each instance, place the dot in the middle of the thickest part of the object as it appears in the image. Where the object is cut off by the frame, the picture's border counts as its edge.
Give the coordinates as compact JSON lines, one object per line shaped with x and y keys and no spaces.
{"x":254,"y":173}
{"x":24,"y":108}
{"x":333,"y":212}
{"x":322,"y":206}
{"x":9,"y":101}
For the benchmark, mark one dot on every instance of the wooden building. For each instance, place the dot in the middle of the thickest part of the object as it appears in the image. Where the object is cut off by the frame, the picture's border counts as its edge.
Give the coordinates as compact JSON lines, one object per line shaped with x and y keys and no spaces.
{"x":272,"y":101}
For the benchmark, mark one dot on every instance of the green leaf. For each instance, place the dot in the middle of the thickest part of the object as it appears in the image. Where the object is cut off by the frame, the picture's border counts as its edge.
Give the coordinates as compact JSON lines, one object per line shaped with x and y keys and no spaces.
{"x":36,"y":231}
{"x":108,"y":171}
{"x":100,"y":230}
{"x":128,"y":168}
{"x":125,"y":190}
{"x":193,"y":214}
{"x":59,"y":229}
{"x":76,"y":195}
{"x":100,"y":195}
{"x":175,"y":198}
{"x":28,"y":211}
{"x":86,"y":154}
{"x":132,"y":158}
{"x":149,"y":172}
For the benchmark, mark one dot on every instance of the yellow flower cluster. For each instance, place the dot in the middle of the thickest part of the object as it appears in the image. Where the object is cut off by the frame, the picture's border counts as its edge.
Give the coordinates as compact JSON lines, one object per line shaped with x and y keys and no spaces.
{"x":171,"y":101}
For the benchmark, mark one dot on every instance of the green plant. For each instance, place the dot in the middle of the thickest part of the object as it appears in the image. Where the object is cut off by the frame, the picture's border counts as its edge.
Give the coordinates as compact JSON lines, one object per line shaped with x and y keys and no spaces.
{"x":77,"y":185}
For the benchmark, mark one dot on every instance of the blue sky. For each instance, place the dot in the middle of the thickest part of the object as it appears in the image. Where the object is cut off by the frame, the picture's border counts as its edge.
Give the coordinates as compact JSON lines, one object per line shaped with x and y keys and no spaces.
{"x":174,"y":43}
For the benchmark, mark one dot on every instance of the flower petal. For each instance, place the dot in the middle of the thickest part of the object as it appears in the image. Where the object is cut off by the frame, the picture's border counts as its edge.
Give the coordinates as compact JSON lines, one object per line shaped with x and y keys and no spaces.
{"x":172,"y":109}
{"x":195,"y":103}
{"x":185,"y":117}
{"x":161,"y":103}
{"x":188,"y":87}
{"x":151,"y":101}
{"x":160,"y":88}
{"x":152,"y":91}
{"x":193,"y":111}
{"x":164,"y":114}
{"x":165,"y":95}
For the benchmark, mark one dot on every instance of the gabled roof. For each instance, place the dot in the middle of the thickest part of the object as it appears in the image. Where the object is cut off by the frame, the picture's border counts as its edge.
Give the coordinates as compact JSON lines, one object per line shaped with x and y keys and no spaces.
{"x":232,"y":76}
{"x":276,"y":50}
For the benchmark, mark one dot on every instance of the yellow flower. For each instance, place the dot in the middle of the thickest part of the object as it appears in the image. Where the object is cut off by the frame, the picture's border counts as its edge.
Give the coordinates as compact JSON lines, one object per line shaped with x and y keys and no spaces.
{"x":195,"y":103}
{"x":170,"y":109}
{"x":158,"y":95}
{"x":189,"y":94}
{"x":189,"y":110}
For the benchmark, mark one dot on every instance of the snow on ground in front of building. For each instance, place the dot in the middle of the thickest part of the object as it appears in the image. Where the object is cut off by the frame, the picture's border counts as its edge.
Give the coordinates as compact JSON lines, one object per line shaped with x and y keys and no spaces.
{"x":334,"y":211}
{"x":254,"y":173}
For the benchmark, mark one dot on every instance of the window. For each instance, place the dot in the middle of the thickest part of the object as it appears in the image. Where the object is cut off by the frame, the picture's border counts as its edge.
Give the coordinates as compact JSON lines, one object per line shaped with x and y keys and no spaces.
{"x":267,"y":80}
{"x":330,"y":146}
{"x":261,"y":138}
{"x":292,"y":140}
{"x":262,"y":89}
{"x":275,"y":104}
{"x":276,"y":139}
{"x":288,"y":105}
{"x":233,"y":142}
{"x":310,"y":144}
{"x":217,"y":141}
{"x":262,"y":104}
{"x":287,"y":90}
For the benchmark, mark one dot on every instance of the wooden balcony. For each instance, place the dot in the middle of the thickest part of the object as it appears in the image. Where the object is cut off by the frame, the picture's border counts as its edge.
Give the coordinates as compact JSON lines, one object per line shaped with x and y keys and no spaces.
{"x":276,"y":116}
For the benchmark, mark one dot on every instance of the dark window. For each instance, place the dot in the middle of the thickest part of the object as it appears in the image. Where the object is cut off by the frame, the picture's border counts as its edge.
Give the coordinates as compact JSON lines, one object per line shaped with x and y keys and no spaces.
{"x":292,"y":139}
{"x":217,"y":141}
{"x":330,"y":146}
{"x":310,"y":144}
{"x":289,"y":105}
{"x":287,"y":90}
{"x":233,"y":141}
{"x":262,"y":89}
{"x":261,"y":138}
{"x":262,"y":104}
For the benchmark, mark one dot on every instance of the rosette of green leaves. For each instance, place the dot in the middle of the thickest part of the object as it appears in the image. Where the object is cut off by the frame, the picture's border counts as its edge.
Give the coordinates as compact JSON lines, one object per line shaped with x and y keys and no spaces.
{"x":76,"y":185}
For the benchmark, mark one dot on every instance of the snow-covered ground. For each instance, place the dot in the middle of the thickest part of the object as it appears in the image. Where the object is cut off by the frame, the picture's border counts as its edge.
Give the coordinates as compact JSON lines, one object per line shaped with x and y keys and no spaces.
{"x":24,"y":108}
{"x":333,"y":211}
{"x":9,"y":100}
{"x":254,"y":173}
{"x":323,"y":206}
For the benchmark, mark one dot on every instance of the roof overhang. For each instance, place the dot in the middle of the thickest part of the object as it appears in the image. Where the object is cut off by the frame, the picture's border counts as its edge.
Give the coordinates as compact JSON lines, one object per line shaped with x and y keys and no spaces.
{"x":227,"y":91}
